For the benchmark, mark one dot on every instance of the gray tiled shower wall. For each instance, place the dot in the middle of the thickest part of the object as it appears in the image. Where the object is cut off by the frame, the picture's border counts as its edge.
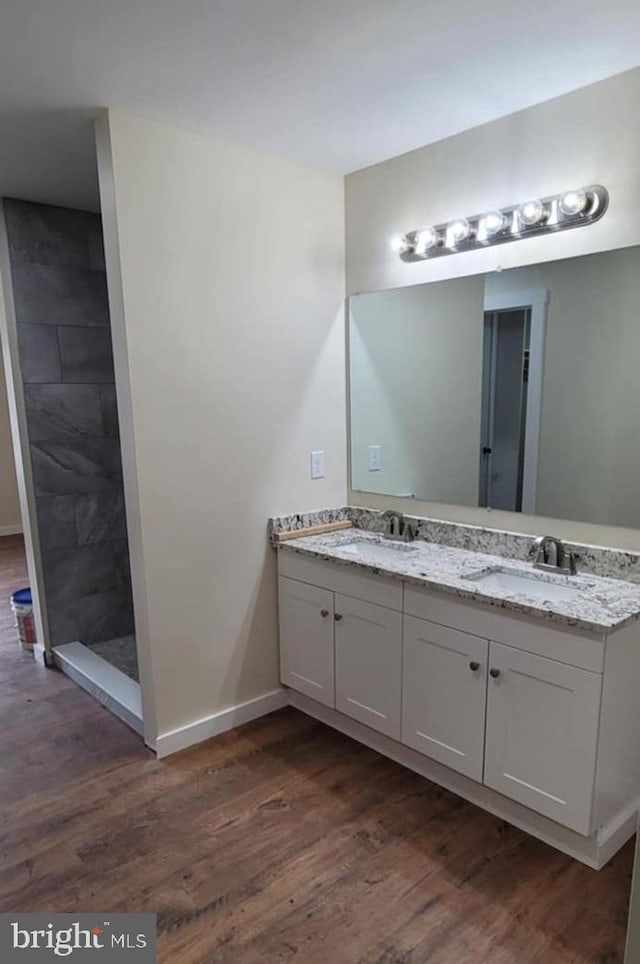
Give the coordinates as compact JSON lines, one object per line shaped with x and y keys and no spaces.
{"x":64,"y":344}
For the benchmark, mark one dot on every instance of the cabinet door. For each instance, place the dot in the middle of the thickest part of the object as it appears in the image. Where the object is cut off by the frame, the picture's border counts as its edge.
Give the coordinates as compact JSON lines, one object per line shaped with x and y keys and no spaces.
{"x":444,"y":692}
{"x":542,"y":734}
{"x":369,"y":664}
{"x":306,"y":639}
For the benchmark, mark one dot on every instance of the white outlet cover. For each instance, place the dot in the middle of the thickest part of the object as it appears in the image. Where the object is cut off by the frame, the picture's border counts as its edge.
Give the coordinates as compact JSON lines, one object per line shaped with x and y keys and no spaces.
{"x":375,"y":458}
{"x":317,"y":465}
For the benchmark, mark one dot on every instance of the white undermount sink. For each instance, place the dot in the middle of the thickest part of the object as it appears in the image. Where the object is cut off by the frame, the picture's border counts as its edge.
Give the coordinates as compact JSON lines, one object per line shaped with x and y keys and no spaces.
{"x":365,"y":549}
{"x":537,"y":586}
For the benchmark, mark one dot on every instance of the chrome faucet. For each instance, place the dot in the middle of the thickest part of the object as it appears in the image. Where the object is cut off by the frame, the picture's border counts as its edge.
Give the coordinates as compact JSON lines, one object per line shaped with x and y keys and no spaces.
{"x":551,"y":555}
{"x":396,"y":526}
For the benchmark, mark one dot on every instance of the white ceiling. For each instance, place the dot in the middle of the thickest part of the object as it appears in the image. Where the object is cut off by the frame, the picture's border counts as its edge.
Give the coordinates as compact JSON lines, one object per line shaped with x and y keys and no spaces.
{"x":338,"y":84}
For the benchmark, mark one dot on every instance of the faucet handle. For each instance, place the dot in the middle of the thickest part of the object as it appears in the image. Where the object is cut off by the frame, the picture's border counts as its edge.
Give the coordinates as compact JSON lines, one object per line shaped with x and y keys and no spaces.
{"x":538,"y":551}
{"x":408,"y":531}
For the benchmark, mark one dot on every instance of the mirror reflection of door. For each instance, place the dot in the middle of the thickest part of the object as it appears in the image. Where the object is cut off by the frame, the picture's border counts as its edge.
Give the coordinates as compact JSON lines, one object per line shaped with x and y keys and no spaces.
{"x":505,"y":379}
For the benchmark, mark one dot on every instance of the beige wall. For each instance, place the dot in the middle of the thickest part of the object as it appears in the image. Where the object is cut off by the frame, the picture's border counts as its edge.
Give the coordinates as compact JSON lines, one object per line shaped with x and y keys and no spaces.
{"x":232,"y":273}
{"x":588,"y":136}
{"x":9,"y":503}
{"x":416,"y":389}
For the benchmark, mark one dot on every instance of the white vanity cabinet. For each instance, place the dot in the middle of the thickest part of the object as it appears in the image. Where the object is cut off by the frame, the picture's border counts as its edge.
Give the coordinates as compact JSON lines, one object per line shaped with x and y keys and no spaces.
{"x":535,"y":721}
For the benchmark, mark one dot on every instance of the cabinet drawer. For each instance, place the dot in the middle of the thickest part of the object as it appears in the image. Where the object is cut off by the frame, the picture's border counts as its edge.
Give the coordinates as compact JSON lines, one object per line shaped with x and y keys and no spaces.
{"x":444,"y":692}
{"x":575,"y":647}
{"x":344,"y":579}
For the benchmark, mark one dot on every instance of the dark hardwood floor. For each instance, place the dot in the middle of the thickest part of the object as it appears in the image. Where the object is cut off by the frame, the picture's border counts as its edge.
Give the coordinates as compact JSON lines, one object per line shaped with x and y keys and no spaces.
{"x":51,"y":731}
{"x":281,"y":841}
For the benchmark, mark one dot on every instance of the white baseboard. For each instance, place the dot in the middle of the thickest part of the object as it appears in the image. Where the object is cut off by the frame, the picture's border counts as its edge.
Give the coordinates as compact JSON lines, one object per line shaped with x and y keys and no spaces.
{"x":613,"y":835}
{"x":14,"y":530}
{"x":593,"y":851}
{"x":40,"y":654}
{"x":204,"y":729}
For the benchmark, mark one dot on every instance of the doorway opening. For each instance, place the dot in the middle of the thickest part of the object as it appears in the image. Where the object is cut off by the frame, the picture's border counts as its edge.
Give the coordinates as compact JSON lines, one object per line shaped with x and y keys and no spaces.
{"x":513,"y":350}
{"x":60,"y":371}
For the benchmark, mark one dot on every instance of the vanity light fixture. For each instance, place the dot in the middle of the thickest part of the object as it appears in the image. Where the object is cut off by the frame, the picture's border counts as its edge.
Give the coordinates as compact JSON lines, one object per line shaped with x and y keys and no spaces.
{"x":570,"y":209}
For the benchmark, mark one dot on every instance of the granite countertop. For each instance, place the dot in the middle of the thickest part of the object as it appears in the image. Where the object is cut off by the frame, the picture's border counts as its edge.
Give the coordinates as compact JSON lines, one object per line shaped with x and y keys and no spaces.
{"x":602,"y":604}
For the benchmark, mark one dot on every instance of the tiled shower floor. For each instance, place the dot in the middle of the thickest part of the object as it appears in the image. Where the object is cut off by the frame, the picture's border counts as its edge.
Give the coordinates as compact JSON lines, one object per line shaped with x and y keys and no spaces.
{"x":121,"y":653}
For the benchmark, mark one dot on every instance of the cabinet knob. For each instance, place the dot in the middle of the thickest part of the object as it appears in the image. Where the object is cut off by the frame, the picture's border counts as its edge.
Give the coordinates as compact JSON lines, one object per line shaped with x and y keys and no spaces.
{"x":338,"y":617}
{"x":324,"y":613}
{"x":474,"y":666}
{"x":494,"y":673}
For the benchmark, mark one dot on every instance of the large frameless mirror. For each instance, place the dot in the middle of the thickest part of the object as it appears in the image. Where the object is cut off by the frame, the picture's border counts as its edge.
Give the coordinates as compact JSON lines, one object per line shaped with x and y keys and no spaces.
{"x":516,"y":390}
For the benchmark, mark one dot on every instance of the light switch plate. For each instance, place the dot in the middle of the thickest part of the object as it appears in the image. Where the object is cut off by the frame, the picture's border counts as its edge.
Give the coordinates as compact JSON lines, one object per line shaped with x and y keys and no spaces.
{"x":375,"y":458}
{"x":317,"y":465}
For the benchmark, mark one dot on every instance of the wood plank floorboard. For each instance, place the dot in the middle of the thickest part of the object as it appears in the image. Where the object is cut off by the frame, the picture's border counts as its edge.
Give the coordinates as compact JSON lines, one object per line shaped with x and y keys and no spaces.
{"x":281,"y":841}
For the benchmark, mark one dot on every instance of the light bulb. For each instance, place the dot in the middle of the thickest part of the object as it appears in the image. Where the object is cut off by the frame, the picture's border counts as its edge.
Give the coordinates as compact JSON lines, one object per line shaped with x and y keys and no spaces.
{"x":531,"y":213}
{"x":573,"y":202}
{"x":457,"y":232}
{"x":399,"y":244}
{"x":426,"y":239}
{"x":492,"y":223}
